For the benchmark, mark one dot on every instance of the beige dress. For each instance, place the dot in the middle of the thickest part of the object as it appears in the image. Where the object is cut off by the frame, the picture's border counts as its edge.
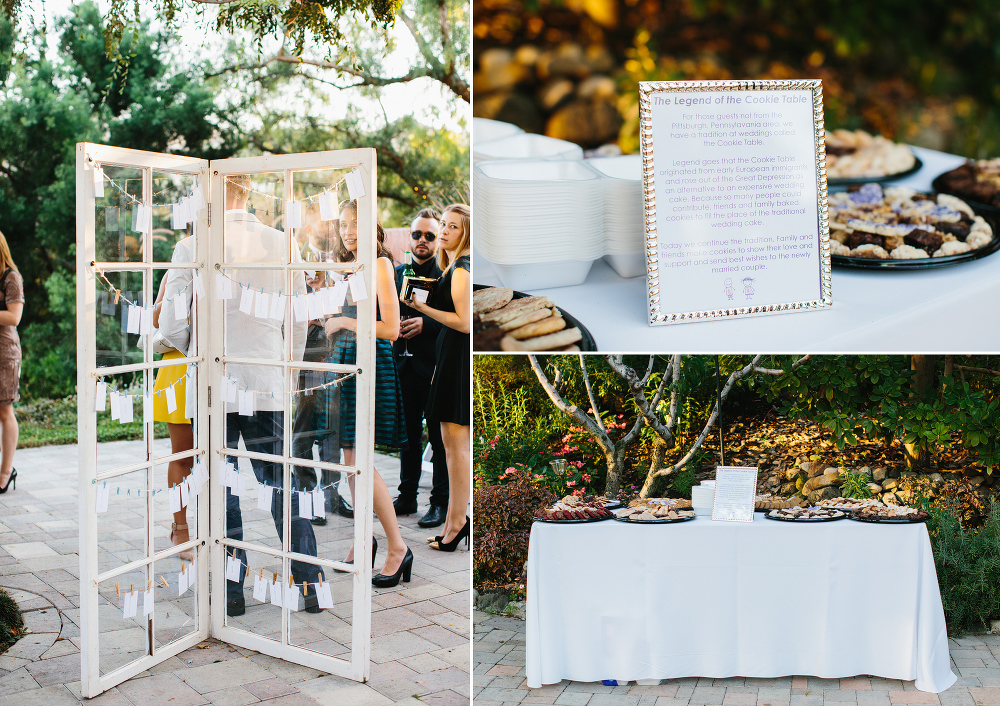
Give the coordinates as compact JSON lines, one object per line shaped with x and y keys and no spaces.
{"x":10,"y":345}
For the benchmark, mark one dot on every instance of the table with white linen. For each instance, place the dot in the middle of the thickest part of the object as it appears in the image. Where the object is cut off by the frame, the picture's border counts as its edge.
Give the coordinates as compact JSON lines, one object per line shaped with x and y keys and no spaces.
{"x":943,"y":310}
{"x":610,"y":600}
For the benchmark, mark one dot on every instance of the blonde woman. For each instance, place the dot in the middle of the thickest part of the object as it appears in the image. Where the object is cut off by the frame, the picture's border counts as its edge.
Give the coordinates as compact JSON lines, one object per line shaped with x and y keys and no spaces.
{"x":448,"y":401}
{"x":11,"y":306}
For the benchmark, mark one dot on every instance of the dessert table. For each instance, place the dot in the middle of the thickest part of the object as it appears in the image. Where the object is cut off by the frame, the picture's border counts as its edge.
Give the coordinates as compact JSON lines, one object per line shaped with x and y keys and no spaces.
{"x":610,"y":600}
{"x":940,"y":310}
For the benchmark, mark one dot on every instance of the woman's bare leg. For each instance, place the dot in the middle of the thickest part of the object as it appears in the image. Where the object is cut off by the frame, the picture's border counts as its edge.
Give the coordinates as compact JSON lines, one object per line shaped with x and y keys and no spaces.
{"x":181,"y":439}
{"x":386,"y":516}
{"x":456,"y":447}
{"x":8,"y":441}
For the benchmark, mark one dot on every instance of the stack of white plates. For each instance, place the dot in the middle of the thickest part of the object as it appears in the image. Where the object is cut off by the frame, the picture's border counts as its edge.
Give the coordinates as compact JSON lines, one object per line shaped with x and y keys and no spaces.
{"x":526,"y":146}
{"x":540,"y":222}
{"x":703,"y":498}
{"x":484,"y":130}
{"x":624,"y":227}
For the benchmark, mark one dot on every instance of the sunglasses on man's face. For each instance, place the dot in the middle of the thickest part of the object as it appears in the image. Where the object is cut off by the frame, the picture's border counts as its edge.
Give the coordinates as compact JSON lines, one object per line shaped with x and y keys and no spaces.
{"x":427,"y":235}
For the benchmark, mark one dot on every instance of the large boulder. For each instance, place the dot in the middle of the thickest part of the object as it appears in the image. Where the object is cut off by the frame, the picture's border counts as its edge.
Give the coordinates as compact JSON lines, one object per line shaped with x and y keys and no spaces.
{"x":821,"y":481}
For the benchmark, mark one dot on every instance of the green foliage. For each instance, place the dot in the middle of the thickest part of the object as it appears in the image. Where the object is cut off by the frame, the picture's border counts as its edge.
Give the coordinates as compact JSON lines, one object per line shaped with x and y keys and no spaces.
{"x":682,"y":482}
{"x":45,"y":422}
{"x":871,"y":396}
{"x":503,"y":523}
{"x":855,"y":485}
{"x":11,"y":622}
{"x":968,"y":568}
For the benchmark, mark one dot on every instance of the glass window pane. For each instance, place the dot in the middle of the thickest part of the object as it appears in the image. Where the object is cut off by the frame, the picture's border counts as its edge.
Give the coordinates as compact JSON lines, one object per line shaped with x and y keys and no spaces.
{"x":117,"y":236}
{"x":175,"y":612}
{"x":327,"y":630}
{"x":121,"y":640}
{"x":165,"y":478}
{"x":122,"y":530}
{"x":253,"y":230}
{"x":115,"y":345}
{"x":168,"y":191}
{"x":260,"y":617}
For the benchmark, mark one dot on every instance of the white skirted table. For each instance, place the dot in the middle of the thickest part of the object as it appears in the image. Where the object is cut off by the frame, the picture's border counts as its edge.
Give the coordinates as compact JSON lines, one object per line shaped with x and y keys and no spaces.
{"x":610,"y":600}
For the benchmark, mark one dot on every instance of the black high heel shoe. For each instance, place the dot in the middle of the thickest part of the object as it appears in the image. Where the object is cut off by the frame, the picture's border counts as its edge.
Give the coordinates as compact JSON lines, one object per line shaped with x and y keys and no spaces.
{"x":451,"y":546}
{"x":12,"y":481}
{"x":383,"y":581}
{"x":374,"y":552}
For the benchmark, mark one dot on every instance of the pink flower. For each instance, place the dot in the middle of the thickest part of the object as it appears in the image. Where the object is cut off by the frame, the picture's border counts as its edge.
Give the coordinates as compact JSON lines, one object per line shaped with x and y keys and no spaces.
{"x":571,"y":483}
{"x":578,"y":492}
{"x":539,"y":477}
{"x":578,"y":464}
{"x":586,"y":477}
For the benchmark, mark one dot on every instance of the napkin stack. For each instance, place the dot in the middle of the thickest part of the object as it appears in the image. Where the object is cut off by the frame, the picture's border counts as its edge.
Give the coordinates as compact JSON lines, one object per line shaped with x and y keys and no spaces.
{"x":526,"y":146}
{"x":624,"y":225}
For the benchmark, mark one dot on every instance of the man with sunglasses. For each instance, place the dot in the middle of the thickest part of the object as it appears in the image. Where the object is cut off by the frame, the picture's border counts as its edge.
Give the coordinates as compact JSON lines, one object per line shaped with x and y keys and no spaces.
{"x":418,"y":335}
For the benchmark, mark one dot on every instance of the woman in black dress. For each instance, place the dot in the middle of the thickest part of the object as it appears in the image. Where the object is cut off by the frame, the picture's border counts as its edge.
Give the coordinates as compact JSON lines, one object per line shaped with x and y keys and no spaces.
{"x":448,"y":401}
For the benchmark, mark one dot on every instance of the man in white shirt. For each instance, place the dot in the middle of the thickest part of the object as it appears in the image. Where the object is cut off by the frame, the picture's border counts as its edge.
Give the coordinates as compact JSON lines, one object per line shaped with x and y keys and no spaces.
{"x":247,"y":240}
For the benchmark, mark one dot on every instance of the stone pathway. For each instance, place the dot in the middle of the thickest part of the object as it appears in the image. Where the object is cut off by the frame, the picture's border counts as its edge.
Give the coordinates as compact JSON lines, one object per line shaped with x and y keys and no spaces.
{"x":498,"y":678}
{"x":420,"y":645}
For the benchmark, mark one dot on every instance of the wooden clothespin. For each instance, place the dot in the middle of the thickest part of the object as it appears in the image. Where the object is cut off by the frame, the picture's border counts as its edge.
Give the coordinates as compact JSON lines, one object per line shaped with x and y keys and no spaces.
{"x":118,"y":591}
{"x":291,"y":579}
{"x":261,"y":575}
{"x":131,"y":588}
{"x":321,"y":580}
{"x":305,"y":588}
{"x":149,"y":585}
{"x":274,"y":577}
{"x":166,"y":584}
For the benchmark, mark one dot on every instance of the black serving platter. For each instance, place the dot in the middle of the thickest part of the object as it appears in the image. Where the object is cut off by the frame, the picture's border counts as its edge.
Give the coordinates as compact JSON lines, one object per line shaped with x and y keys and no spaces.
{"x":850,"y":181}
{"x":587,"y":343}
{"x":804,"y":520}
{"x":889,"y":521}
{"x":571,"y":522}
{"x":664,"y":521}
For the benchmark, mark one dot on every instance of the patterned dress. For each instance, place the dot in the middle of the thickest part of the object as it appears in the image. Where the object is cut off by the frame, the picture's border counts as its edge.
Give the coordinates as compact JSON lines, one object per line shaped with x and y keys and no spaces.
{"x":390,"y":429}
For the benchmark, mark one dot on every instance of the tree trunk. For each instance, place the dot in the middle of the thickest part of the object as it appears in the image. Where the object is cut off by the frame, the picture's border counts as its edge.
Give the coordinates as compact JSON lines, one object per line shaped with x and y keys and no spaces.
{"x":615,"y":460}
{"x":656,"y":463}
{"x":919,"y":455}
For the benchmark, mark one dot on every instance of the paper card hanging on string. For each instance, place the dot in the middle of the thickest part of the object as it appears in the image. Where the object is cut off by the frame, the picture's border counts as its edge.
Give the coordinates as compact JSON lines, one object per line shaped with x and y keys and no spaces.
{"x":101,"y":399}
{"x":300,"y":308}
{"x":231,"y":389}
{"x":246,"y":299}
{"x":185,"y":493}
{"x":191,"y":573}
{"x":223,"y":286}
{"x":277,"y":307}
{"x":182,"y":581}
{"x":145,"y":321}
{"x":115,"y":411}
{"x":263,"y":306}
{"x":126,"y":411}
{"x":327,"y":206}
{"x":305,"y":505}
{"x":175,"y":498}
{"x":276,"y":592}
{"x":147,"y":601}
{"x":323,"y":596}
{"x":291,"y":600}
{"x":264,"y":497}
{"x":358,"y":290}
{"x":98,"y":182}
{"x":198,"y":198}
{"x":180,"y":307}
{"x":232,"y":569}
{"x":319,"y":503}
{"x":130,"y":602}
{"x":171,"y":399}
{"x":103,"y":496}
{"x":260,"y":589}
{"x":134,"y":317}
{"x":200,"y":475}
{"x":177,"y":221}
{"x":355,"y":185}
{"x":315,"y":304}
{"x":293,"y":213}
{"x":240,"y":485}
{"x":246,"y":403}
{"x":340,"y":293}
{"x":224,"y":472}
{"x":199,"y":285}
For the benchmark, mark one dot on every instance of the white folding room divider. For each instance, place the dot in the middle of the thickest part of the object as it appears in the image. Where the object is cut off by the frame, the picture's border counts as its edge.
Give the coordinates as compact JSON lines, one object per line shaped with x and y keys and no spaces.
{"x":244,"y":255}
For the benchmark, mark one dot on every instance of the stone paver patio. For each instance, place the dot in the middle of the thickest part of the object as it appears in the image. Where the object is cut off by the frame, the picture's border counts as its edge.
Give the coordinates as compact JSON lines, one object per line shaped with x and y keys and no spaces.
{"x":498,"y":678}
{"x":420,"y":630}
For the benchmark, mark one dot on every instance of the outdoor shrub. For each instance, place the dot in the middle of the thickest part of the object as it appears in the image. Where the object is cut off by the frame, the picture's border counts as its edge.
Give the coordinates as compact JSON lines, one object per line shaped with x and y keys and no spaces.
{"x":492,"y":458}
{"x":964,"y":499}
{"x":855,"y":485}
{"x":968,"y":568}
{"x":11,"y":622}
{"x":682,"y":483}
{"x":503,"y":523}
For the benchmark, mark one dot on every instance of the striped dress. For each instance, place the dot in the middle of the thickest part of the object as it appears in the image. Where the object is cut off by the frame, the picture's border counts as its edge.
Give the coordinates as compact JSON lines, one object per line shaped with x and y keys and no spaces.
{"x":390,"y":429}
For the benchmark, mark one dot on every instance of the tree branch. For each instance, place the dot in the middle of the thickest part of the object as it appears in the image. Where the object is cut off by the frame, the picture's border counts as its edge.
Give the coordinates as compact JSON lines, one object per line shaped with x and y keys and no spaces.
{"x":638,"y":391}
{"x":571,"y":410}
{"x":590,"y":394}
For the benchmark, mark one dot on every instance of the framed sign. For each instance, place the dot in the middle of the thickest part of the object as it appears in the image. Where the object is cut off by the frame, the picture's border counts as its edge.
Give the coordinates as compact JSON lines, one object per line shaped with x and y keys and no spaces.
{"x":735,"y":492}
{"x":734,"y":189}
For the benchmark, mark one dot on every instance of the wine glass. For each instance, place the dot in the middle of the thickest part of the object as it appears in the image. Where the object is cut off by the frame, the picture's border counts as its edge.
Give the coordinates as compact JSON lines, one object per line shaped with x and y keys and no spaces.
{"x":406,"y":348}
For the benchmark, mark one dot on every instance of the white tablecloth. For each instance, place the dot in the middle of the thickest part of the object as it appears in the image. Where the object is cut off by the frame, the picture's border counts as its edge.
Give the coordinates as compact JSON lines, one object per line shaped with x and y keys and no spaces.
{"x":608,"y":600}
{"x":944,"y":310}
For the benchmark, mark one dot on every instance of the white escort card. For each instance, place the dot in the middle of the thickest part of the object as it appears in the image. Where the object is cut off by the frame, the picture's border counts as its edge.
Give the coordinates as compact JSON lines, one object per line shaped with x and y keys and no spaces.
{"x":734,"y":202}
{"x":735,"y":493}
{"x":264,"y":495}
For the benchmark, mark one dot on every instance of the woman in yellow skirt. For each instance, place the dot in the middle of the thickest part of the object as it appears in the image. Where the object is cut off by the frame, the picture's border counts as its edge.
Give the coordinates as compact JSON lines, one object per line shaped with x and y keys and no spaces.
{"x":179,"y":427}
